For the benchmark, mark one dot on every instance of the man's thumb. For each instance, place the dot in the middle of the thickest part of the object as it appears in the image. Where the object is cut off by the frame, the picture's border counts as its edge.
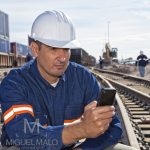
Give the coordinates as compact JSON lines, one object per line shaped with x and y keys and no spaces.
{"x":91,"y":105}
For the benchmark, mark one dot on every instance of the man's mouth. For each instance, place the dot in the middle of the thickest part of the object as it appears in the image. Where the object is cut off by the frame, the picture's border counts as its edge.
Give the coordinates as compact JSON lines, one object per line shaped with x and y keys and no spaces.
{"x":59,"y":66}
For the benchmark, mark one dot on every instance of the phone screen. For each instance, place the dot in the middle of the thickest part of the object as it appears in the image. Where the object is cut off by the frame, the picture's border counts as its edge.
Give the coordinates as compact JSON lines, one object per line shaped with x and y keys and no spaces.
{"x":106,"y":97}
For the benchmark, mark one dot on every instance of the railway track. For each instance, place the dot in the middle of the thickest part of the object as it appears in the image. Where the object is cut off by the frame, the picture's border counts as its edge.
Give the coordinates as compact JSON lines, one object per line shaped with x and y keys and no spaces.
{"x":136,"y":105}
{"x":137,"y":83}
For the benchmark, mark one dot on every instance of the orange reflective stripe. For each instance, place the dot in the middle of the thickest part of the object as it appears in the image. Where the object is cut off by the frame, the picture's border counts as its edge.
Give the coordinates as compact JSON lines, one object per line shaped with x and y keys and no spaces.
{"x":9,"y":119}
{"x":45,"y":125}
{"x":17,"y":110}
{"x":71,"y":121}
{"x":6,"y":112}
{"x":16,"y":106}
{"x":24,"y":111}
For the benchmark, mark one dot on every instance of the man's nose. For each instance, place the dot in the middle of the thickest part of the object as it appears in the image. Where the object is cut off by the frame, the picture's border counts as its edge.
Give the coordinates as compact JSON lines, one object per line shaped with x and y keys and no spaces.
{"x":62,"y":55}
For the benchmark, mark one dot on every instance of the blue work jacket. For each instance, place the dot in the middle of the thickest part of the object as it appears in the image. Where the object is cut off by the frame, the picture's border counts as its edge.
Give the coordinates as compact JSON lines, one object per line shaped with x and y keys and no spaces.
{"x":142,"y":60}
{"x":35,"y":112}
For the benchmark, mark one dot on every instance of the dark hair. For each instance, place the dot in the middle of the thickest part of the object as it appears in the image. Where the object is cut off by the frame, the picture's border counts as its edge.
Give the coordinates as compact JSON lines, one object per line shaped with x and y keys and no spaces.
{"x":37,"y":42}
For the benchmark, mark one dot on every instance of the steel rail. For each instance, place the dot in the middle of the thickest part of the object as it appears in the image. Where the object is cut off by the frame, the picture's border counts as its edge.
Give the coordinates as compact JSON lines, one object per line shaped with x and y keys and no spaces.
{"x":129,"y":131}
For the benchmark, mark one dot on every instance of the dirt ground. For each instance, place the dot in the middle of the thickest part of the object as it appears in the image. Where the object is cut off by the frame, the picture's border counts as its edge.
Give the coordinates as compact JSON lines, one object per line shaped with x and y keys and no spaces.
{"x":147,"y":72}
{"x":130,"y":69}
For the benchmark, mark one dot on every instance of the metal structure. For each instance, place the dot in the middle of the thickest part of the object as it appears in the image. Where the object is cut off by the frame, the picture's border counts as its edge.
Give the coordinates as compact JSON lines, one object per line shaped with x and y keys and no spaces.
{"x":4,"y":32}
{"x":80,"y":56}
{"x":109,"y":53}
{"x":11,"y":54}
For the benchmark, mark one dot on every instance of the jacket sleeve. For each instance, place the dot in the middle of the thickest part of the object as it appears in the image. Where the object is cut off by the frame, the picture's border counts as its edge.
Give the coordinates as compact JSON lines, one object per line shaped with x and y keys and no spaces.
{"x":146,"y":59}
{"x":21,"y":128}
{"x":110,"y":137}
{"x":114,"y":132}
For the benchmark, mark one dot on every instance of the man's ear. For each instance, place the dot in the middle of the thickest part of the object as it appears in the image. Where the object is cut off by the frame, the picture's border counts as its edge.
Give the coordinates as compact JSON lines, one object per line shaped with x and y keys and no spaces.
{"x":35,"y":49}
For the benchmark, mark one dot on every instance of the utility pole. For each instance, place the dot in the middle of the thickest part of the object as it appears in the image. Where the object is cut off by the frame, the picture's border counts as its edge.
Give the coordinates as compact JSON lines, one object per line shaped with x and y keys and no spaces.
{"x":108,"y":30}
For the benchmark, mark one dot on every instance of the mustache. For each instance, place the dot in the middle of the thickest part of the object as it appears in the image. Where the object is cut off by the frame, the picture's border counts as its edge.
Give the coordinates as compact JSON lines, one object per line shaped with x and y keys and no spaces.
{"x":61,"y":63}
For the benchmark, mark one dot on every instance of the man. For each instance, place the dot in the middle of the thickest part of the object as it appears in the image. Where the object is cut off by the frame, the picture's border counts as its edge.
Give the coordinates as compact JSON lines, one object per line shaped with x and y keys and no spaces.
{"x":100,"y":62}
{"x":141,"y":62}
{"x":50,"y":103}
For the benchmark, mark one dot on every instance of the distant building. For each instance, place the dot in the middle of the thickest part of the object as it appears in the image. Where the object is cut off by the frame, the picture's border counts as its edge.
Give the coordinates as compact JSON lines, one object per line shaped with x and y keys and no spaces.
{"x":4,"y":32}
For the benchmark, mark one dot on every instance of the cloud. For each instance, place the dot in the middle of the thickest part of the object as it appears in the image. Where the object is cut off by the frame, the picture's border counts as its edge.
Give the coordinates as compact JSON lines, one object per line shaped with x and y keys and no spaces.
{"x":129,"y":21}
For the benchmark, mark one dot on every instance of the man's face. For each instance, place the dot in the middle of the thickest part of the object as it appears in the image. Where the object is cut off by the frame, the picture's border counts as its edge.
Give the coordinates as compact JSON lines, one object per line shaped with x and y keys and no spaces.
{"x":52,"y":62}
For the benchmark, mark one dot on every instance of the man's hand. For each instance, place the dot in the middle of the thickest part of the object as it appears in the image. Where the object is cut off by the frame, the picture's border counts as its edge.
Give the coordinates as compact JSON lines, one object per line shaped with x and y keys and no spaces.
{"x":95,"y":120}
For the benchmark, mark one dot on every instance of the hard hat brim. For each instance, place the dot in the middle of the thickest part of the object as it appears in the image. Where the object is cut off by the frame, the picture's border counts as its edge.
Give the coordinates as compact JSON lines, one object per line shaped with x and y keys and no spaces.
{"x":59,"y":44}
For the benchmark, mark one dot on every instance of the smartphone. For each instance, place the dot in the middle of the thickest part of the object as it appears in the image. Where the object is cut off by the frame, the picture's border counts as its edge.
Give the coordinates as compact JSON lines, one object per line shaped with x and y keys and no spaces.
{"x":106,"y":97}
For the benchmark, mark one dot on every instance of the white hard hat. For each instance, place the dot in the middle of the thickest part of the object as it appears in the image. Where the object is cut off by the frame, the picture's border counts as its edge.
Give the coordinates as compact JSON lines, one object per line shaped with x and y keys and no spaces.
{"x":54,"y":28}
{"x":141,"y":52}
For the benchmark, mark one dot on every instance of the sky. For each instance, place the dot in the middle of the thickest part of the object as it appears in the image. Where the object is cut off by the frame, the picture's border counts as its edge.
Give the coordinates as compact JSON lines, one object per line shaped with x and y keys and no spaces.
{"x":124,"y":23}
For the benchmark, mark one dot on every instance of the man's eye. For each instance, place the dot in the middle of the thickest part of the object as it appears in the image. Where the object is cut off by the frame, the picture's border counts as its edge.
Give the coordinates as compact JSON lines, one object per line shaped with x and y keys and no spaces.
{"x":52,"y":48}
